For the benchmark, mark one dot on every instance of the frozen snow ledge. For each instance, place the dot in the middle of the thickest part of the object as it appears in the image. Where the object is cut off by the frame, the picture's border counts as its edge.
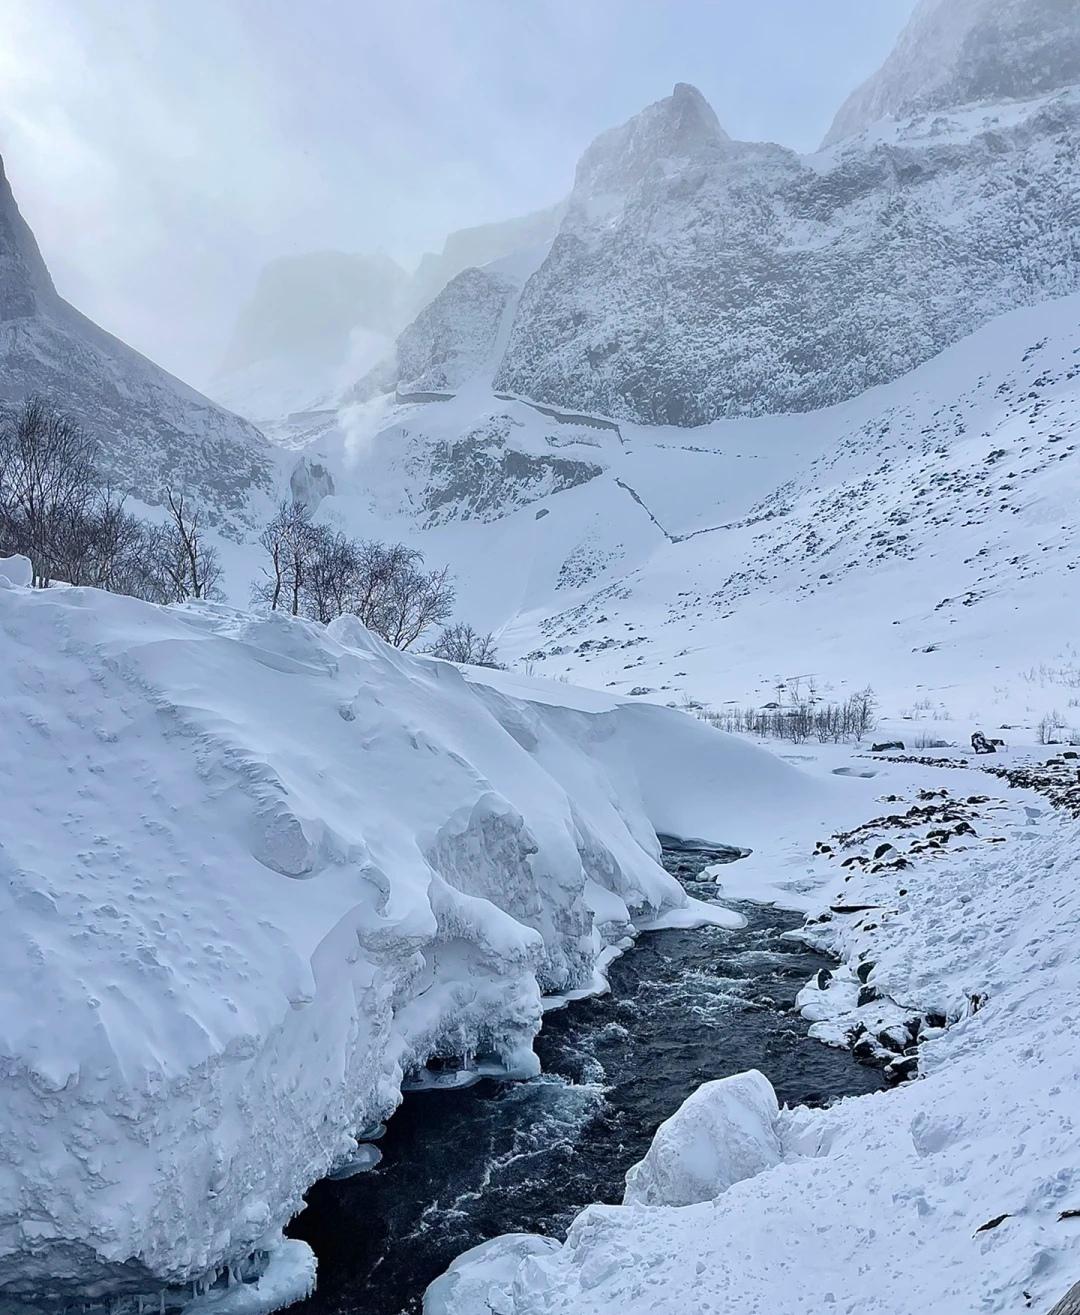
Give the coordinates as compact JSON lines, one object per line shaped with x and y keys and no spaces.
{"x":956,"y":1193}
{"x":252,"y":873}
{"x":288,"y":1276}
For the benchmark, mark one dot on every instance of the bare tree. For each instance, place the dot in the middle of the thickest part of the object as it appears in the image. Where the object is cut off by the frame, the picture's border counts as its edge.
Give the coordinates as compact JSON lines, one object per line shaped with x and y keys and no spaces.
{"x":333,"y":575}
{"x":289,"y":539}
{"x":180,"y":563}
{"x":415,"y":601}
{"x":461,"y":643}
{"x":47,"y":483}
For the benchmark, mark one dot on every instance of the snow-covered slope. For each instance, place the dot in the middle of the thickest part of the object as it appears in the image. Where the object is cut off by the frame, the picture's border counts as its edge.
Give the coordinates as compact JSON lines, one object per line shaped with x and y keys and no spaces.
{"x":487,"y":244}
{"x":154,"y":430}
{"x":918,"y":539}
{"x":448,"y":342}
{"x":261,"y":869}
{"x":320,"y":328}
{"x":958,"y":52}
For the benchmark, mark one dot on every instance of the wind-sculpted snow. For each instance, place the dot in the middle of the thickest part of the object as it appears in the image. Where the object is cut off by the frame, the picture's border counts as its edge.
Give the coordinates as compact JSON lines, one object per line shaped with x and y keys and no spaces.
{"x":261,"y":870}
{"x":154,"y":431}
{"x":695,"y":277}
{"x":957,"y":52}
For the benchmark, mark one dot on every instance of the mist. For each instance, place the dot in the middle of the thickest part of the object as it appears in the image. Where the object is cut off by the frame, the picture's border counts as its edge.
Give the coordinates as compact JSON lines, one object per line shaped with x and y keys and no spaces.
{"x":163,"y":153}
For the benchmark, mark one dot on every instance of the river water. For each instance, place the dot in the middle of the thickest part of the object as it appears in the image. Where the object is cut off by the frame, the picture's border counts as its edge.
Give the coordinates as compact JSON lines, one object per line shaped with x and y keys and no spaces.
{"x":461,"y":1166}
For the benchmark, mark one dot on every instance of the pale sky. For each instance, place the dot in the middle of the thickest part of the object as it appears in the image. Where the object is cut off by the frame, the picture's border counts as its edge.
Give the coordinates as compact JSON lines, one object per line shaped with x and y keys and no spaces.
{"x":163,"y":150}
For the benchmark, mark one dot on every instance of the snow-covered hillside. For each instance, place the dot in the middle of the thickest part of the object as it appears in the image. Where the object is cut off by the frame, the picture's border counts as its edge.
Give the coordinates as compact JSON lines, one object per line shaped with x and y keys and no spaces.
{"x":154,"y":430}
{"x":448,"y":342}
{"x":262,"y":869}
{"x":918,"y":539}
{"x":319,"y":329}
{"x":693,"y":277}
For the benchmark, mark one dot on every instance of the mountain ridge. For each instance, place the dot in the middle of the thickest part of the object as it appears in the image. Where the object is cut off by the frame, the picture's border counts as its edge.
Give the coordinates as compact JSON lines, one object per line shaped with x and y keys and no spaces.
{"x":153,"y":429}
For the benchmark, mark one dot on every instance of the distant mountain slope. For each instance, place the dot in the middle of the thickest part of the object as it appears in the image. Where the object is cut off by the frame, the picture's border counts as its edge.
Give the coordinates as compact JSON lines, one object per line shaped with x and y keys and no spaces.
{"x":320,"y":328}
{"x":958,"y":52}
{"x":471,"y":248}
{"x":153,"y":429}
{"x":919,"y":538}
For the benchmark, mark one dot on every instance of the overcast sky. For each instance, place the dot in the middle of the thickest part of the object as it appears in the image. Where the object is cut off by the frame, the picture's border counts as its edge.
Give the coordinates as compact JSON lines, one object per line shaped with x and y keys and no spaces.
{"x":163,"y":150}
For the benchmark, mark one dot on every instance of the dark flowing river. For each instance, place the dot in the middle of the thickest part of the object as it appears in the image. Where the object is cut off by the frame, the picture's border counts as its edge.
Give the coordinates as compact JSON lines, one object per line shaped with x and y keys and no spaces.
{"x":461,"y":1166}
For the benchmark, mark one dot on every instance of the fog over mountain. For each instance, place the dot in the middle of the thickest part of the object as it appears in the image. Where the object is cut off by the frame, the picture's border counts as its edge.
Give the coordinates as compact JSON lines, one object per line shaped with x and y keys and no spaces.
{"x":254,"y":131}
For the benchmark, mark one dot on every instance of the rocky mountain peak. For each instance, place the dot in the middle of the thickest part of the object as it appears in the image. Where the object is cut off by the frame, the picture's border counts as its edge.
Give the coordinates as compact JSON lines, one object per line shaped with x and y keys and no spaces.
{"x":961,"y":52}
{"x":680,"y":127}
{"x":24,"y":280}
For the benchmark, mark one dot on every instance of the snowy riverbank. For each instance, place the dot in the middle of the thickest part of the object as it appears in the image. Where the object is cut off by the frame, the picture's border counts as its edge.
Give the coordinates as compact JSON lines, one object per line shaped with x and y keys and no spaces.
{"x":955,"y":1193}
{"x":255,"y":871}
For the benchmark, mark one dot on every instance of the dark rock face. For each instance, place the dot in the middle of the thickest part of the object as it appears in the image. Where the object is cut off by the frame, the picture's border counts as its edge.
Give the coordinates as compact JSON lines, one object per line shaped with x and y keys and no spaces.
{"x":695,"y":277}
{"x":480,"y":476}
{"x":452,"y":336}
{"x":153,"y":429}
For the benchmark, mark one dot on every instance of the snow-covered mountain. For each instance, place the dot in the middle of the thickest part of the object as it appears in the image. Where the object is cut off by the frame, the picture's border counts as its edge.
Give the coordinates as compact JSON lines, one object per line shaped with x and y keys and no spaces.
{"x":932,"y":512}
{"x":153,"y":430}
{"x":961,"y":52}
{"x":448,"y":342}
{"x":695,"y":277}
{"x":486,"y":244}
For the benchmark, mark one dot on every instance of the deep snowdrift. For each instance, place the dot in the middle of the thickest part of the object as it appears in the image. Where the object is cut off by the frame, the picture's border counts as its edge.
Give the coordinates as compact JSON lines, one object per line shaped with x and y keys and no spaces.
{"x":253,"y":871}
{"x":953,"y":1194}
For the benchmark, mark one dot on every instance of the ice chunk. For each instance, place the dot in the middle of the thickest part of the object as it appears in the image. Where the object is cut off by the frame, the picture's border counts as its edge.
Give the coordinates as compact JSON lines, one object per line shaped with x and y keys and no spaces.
{"x":723,"y":1133}
{"x":481,"y":1279}
{"x":289,"y":1276}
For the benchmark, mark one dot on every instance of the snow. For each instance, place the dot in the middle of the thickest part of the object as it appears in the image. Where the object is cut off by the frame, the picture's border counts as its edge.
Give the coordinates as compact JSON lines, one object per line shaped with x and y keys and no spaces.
{"x":708,"y":568}
{"x":949,"y":1194}
{"x":263,"y":870}
{"x":288,"y":1276}
{"x":696,"y":277}
{"x":955,"y":52}
{"x":725,"y":1132}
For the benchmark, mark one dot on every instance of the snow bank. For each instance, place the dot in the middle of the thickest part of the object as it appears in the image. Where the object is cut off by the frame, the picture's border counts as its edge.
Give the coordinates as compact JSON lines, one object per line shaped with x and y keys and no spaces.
{"x":254,"y":871}
{"x":956,"y":1193}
